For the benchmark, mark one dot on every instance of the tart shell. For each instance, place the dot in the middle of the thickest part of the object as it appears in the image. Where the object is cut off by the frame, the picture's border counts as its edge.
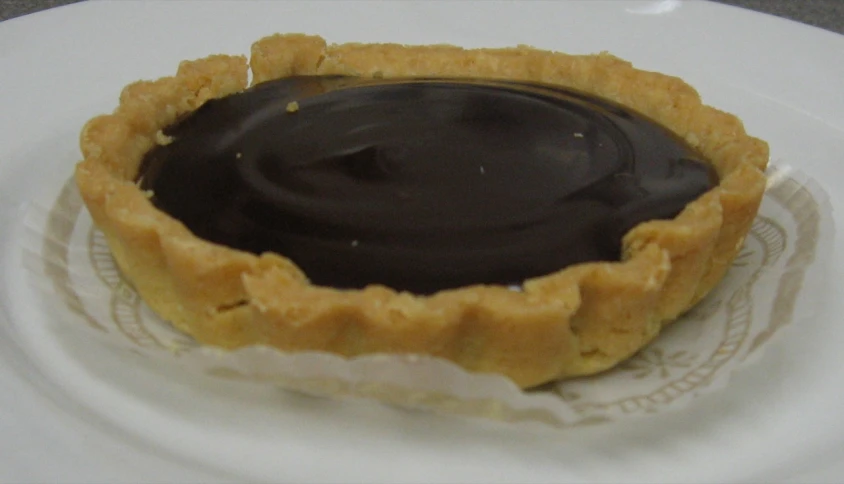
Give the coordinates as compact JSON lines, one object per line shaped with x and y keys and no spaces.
{"x":578,"y":321}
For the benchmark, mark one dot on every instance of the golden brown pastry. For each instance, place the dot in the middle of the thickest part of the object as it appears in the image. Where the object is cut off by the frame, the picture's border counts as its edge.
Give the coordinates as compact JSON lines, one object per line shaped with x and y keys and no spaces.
{"x":574,"y":321}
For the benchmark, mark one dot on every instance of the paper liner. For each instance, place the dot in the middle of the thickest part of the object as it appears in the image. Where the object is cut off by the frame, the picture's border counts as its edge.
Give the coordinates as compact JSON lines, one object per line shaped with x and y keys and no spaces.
{"x":775,"y":281}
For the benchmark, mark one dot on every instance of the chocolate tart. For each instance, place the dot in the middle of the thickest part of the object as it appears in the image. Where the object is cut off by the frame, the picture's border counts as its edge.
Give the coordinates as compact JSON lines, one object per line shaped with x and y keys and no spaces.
{"x":577,"y":318}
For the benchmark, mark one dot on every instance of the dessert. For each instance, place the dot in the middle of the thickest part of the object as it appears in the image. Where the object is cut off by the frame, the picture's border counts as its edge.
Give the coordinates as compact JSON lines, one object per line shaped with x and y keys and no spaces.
{"x":516,"y":211}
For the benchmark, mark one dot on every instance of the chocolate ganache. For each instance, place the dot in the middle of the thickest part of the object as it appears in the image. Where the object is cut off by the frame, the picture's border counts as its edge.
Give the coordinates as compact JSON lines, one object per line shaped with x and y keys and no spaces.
{"x":421,"y":184}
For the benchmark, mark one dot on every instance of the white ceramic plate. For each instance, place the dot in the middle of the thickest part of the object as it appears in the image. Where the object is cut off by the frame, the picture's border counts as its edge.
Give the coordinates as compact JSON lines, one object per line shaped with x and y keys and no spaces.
{"x":70,"y":410}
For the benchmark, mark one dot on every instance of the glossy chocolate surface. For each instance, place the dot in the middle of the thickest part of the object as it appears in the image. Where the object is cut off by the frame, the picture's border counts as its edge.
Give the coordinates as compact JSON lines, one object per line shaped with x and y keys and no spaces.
{"x":421,"y":185}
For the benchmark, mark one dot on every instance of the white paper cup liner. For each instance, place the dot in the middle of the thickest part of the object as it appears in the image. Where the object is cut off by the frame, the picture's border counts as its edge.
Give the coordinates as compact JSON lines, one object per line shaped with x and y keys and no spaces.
{"x":775,"y":282}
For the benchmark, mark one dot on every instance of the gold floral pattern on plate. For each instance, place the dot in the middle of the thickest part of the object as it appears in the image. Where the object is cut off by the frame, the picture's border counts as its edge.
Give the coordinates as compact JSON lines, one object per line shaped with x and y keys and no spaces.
{"x":693,"y":355}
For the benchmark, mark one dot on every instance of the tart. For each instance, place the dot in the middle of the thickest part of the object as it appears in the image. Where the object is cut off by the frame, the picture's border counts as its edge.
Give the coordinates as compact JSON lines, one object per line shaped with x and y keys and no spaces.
{"x":574,"y":318}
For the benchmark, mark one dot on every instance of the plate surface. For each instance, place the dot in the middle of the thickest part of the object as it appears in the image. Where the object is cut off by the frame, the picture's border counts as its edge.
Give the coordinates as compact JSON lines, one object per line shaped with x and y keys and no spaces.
{"x":72,"y":410}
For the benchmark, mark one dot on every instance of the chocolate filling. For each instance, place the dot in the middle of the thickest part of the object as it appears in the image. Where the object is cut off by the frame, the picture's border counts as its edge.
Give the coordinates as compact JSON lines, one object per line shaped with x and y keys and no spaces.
{"x":421,"y":184}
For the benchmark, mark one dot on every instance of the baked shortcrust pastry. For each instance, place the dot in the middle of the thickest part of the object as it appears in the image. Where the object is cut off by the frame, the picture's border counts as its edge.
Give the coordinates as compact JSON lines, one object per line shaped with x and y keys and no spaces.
{"x":380,"y":198}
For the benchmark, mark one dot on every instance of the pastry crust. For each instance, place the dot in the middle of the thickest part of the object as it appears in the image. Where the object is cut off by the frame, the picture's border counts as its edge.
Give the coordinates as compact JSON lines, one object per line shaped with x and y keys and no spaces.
{"x":578,"y":321}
